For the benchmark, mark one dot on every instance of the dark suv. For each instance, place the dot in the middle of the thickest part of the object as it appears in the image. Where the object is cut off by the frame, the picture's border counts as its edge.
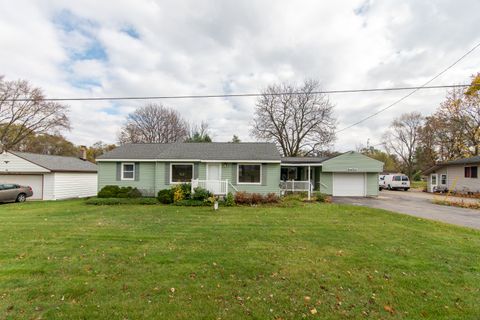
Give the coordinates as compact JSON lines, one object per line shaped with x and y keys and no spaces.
{"x":14,"y":192}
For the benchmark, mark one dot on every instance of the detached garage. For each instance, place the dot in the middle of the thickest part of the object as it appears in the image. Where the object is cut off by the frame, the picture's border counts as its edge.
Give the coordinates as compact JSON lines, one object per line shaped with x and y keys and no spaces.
{"x":51,"y":177}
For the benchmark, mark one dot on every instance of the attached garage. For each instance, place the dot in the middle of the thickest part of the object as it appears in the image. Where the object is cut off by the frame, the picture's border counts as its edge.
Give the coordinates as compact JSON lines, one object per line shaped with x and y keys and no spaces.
{"x":51,"y":177}
{"x":350,"y":174}
{"x":349,"y":184}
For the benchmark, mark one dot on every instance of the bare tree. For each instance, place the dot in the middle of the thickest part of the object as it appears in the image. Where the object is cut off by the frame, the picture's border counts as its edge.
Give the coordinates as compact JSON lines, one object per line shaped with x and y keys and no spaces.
{"x":154,"y":123}
{"x":402,"y":139}
{"x":24,"y":111}
{"x":296,"y":118}
{"x":199,"y":133}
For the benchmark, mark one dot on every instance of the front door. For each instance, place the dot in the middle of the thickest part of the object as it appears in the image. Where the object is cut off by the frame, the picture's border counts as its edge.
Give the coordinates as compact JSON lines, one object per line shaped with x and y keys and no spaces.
{"x":433,"y":182}
{"x":214,"y":177}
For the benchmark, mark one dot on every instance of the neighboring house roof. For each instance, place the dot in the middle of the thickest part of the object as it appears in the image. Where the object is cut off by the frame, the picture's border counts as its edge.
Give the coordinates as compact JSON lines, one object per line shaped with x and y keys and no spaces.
{"x":463,"y":161}
{"x":58,"y":163}
{"x":302,"y":160}
{"x":223,"y":151}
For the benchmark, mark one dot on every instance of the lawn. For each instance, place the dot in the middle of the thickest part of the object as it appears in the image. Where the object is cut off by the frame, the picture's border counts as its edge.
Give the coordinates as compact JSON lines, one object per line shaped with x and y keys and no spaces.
{"x":67,"y":260}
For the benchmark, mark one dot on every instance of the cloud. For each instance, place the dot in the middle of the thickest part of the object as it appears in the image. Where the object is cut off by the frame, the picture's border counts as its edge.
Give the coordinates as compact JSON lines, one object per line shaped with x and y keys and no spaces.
{"x":117,"y":48}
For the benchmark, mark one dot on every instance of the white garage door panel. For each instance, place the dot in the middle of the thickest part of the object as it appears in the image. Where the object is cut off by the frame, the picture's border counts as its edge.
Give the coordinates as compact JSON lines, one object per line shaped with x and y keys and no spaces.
{"x":349,"y":184}
{"x":34,"y":181}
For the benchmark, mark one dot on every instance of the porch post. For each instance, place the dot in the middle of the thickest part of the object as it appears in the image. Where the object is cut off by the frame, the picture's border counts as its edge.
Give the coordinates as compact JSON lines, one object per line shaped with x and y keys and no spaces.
{"x":309,"y":183}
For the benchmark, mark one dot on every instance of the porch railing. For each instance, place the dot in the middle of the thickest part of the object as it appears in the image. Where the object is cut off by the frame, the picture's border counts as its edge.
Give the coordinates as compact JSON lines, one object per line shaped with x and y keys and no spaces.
{"x":295,"y":185}
{"x":217,"y":187}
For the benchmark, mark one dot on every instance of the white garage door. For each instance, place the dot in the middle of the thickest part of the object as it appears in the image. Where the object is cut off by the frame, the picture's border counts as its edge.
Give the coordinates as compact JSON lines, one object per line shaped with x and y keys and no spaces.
{"x":33,"y":180}
{"x":349,"y":184}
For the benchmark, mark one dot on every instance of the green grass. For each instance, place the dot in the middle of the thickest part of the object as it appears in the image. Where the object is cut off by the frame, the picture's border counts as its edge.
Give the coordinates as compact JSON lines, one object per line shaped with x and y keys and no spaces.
{"x":68,"y":260}
{"x":418,"y":184}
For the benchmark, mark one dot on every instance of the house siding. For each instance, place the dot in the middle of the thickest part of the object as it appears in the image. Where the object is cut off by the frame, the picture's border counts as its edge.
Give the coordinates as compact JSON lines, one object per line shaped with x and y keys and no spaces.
{"x":326,"y":182}
{"x":13,"y":164}
{"x":352,"y":162}
{"x":154,"y":175}
{"x":456,"y":180}
{"x":107,"y":175}
{"x":270,"y":171}
{"x":372,"y":184}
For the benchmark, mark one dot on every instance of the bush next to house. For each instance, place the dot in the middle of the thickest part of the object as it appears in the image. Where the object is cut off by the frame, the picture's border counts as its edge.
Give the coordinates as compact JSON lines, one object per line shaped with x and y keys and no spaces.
{"x":255,"y":198}
{"x":121,"y":201}
{"x":165,"y":196}
{"x":108,"y":192}
{"x":229,"y":200}
{"x":201,"y":194}
{"x":119,"y":192}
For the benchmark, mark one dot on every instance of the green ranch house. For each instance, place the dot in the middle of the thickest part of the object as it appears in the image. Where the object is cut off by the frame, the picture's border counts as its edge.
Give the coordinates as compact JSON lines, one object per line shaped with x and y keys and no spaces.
{"x":233,"y":167}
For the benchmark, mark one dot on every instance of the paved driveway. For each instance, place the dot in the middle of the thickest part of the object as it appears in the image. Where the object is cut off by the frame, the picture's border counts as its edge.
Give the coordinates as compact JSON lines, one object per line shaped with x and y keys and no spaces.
{"x":418,"y":204}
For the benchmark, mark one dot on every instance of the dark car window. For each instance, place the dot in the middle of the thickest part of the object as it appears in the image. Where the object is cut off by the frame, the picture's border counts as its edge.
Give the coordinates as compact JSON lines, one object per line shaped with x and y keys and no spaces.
{"x":10,"y":186}
{"x":404,"y":178}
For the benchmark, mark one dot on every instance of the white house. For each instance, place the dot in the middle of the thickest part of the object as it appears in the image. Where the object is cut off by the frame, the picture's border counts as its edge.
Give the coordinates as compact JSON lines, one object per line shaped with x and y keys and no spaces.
{"x":51,"y":177}
{"x":459,"y":175}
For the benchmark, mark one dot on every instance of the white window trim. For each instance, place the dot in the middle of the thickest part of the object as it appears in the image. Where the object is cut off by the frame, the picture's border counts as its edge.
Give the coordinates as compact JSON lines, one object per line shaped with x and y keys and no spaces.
{"x":249,"y":164}
{"x":446,"y":179}
{"x":123,"y":171}
{"x":182,"y":164}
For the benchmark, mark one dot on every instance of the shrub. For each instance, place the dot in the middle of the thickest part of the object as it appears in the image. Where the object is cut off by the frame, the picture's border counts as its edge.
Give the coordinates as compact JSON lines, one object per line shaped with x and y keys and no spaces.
{"x":186,"y":189}
{"x":119,"y":192}
{"x":256,"y":198}
{"x":229,"y":200}
{"x":200,"y":193}
{"x":121,"y":201}
{"x":321,"y":197}
{"x":165,"y":196}
{"x":109,"y":192}
{"x":178,"y":194}
{"x":242,"y":198}
{"x":190,"y":203}
{"x":134,"y":193}
{"x":272,"y":198}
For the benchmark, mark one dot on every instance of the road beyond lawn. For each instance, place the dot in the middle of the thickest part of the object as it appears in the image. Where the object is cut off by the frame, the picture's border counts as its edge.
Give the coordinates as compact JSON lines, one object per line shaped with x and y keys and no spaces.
{"x":419,"y":204}
{"x":67,"y":260}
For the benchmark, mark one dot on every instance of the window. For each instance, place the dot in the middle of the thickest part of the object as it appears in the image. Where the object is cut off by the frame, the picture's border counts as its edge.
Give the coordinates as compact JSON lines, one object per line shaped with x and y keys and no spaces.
{"x":289,"y":173}
{"x":404,"y":178}
{"x":443,"y":179}
{"x":434,"y":179}
{"x":10,"y":186}
{"x":181,"y":172}
{"x":471,"y":172}
{"x":249,"y":173}
{"x":128,"y":171}
{"x":397,"y":178}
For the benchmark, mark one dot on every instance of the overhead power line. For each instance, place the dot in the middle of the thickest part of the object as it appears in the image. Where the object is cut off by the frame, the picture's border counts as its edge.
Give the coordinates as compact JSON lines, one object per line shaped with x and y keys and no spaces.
{"x":241,"y":95}
{"x":412,"y":92}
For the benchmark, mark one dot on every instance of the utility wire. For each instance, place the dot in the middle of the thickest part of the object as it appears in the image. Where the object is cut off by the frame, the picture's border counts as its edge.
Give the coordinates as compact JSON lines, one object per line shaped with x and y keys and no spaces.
{"x":240,"y":95}
{"x":412,"y":92}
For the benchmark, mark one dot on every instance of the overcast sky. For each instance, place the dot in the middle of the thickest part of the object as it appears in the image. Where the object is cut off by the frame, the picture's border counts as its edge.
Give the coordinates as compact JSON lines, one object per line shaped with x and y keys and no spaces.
{"x":133,"y":48}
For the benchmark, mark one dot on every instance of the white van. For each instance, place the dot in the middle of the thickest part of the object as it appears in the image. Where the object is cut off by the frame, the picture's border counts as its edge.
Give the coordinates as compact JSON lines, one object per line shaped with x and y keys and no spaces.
{"x":394,"y":182}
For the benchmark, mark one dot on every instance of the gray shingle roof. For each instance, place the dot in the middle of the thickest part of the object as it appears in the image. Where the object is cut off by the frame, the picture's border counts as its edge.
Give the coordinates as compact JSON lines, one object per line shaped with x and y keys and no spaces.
{"x":58,"y":163}
{"x":257,"y":151}
{"x":471,"y":160}
{"x":294,"y":160}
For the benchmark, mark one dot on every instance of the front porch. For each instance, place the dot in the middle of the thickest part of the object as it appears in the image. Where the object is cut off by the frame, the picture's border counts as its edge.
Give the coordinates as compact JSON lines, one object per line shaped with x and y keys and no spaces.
{"x":300,"y":177}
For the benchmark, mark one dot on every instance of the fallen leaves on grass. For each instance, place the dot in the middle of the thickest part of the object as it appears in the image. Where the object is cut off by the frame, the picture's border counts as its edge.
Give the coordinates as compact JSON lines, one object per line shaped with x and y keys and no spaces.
{"x":389,"y":309}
